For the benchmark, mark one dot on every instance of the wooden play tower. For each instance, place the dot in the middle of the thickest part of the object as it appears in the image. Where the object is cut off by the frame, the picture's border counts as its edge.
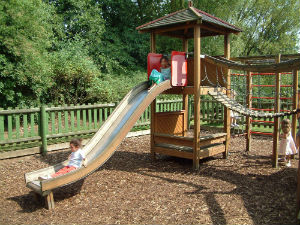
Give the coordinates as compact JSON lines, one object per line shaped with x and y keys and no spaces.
{"x":168,"y":129}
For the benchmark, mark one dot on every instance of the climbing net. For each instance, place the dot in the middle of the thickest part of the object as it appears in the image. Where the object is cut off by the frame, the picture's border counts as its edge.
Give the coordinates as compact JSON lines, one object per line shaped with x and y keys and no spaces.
{"x":262,"y":98}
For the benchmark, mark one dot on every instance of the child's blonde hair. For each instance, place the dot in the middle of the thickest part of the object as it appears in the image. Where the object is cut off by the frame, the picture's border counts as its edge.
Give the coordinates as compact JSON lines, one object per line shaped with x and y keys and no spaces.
{"x":286,"y":121}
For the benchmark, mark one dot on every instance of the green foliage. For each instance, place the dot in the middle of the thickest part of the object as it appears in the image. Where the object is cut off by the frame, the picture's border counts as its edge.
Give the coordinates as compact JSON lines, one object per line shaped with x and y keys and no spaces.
{"x":114,"y":87}
{"x":79,"y":51}
{"x":25,"y":37}
{"x":73,"y":73}
{"x":269,"y":27}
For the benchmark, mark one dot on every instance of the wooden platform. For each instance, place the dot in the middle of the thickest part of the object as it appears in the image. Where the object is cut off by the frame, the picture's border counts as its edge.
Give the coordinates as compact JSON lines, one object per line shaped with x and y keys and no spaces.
{"x":190,"y":90}
{"x":182,"y":147}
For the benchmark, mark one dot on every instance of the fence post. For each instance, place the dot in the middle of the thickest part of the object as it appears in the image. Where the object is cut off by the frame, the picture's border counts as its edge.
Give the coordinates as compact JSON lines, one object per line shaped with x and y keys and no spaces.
{"x":2,"y":127}
{"x":43,"y":129}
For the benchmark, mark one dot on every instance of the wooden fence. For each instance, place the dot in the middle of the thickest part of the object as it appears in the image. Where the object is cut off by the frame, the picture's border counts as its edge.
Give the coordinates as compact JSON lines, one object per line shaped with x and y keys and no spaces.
{"x":26,"y":128}
{"x":39,"y":127}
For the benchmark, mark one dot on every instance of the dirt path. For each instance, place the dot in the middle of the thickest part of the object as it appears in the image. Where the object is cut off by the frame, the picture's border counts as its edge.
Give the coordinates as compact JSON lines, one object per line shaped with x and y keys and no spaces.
{"x":131,"y":188}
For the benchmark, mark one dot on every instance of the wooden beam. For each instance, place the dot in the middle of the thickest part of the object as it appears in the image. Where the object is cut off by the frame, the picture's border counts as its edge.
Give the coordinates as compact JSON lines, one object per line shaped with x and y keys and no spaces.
{"x":175,"y":28}
{"x":227,"y":73}
{"x":188,"y":141}
{"x":266,"y":68}
{"x":264,"y":57}
{"x":190,"y":90}
{"x":295,"y":103}
{"x":49,"y":201}
{"x":185,"y":97}
{"x":174,"y":152}
{"x":173,"y":35}
{"x":249,"y":106}
{"x":219,"y":31}
{"x":197,"y":89}
{"x":175,"y":140}
{"x":276,"y":119}
{"x":153,"y":104}
{"x":185,"y":45}
{"x":211,"y":151}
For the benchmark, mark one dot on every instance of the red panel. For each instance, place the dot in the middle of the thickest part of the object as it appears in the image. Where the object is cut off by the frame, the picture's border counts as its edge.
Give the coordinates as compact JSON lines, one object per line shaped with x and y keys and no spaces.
{"x":153,"y":62}
{"x":178,"y":69}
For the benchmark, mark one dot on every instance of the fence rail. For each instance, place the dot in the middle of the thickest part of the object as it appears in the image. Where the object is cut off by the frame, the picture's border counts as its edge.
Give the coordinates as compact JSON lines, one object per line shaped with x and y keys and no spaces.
{"x":38,"y":127}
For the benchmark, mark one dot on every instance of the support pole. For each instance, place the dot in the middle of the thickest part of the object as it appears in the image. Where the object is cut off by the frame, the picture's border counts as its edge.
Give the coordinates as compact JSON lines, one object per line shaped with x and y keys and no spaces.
{"x":294,"y":128}
{"x":295,"y":103}
{"x":197,"y":87}
{"x":228,"y":86}
{"x":185,"y":97}
{"x":153,"y":104}
{"x":276,"y":119}
{"x":249,"y":105}
{"x":49,"y":201}
{"x":43,"y":129}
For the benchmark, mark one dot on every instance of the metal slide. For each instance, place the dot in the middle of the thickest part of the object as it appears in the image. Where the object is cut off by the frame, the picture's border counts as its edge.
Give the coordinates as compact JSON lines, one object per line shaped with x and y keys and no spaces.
{"x":104,"y":143}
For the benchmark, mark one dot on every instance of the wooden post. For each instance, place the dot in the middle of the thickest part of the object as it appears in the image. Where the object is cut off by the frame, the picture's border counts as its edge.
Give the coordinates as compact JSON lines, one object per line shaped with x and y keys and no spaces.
{"x":49,"y":201}
{"x":43,"y":129}
{"x":228,"y":86}
{"x":276,"y":119}
{"x":295,"y":103}
{"x":197,"y":87}
{"x":153,"y":104}
{"x":249,"y":105}
{"x":185,"y":45}
{"x":185,"y":97}
{"x":298,"y":188}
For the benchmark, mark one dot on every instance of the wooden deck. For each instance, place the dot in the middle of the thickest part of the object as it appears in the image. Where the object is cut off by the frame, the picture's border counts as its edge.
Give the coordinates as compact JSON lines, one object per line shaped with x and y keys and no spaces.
{"x":190,"y":90}
{"x":182,"y":147}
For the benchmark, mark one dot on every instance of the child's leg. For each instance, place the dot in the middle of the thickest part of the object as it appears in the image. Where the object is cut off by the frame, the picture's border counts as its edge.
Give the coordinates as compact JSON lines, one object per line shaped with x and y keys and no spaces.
{"x":64,"y":170}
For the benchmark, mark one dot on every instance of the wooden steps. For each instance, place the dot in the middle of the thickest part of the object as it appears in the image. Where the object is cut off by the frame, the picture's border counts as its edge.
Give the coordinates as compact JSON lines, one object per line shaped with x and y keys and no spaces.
{"x":187,"y":152}
{"x":182,"y":147}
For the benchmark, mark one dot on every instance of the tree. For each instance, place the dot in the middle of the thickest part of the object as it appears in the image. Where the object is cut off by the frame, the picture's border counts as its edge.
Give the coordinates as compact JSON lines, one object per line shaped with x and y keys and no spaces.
{"x":25,"y":38}
{"x":269,"y":27}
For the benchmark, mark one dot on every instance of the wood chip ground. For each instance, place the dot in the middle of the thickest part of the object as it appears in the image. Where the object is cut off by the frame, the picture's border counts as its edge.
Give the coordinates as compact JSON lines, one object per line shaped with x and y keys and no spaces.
{"x":132,"y":189}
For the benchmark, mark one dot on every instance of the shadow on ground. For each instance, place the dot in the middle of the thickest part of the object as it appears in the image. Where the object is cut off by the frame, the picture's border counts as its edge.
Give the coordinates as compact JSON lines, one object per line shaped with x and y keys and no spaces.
{"x":256,"y":190}
{"x":32,"y":202}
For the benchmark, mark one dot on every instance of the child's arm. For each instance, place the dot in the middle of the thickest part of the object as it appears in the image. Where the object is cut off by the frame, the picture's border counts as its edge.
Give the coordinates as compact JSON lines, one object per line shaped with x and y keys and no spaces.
{"x":84,"y":162}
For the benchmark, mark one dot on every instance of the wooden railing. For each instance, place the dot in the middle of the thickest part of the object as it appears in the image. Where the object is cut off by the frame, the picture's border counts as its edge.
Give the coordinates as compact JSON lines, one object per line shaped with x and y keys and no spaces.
{"x":39,"y":127}
{"x":25,"y":128}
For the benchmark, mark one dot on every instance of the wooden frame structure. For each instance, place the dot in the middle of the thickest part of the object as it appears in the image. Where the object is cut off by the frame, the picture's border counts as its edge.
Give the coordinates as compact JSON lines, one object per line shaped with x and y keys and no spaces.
{"x":277,"y":68}
{"x":187,"y":24}
{"x":291,"y":65}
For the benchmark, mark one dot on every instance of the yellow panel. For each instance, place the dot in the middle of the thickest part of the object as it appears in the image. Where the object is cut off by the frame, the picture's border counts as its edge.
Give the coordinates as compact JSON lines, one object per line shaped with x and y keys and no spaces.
{"x":170,"y":123}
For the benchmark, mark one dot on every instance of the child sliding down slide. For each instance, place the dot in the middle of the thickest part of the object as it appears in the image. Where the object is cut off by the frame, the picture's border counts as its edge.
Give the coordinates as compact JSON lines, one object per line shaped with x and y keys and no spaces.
{"x":164,"y":74}
{"x":76,"y":159}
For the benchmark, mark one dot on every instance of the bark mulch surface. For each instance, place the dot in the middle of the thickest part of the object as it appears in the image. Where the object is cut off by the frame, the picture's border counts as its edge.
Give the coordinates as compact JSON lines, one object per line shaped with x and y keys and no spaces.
{"x":131,"y":188}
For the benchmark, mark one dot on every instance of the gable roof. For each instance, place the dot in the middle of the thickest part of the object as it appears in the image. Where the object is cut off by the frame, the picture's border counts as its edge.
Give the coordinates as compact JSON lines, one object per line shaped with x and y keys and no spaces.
{"x":190,"y":15}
